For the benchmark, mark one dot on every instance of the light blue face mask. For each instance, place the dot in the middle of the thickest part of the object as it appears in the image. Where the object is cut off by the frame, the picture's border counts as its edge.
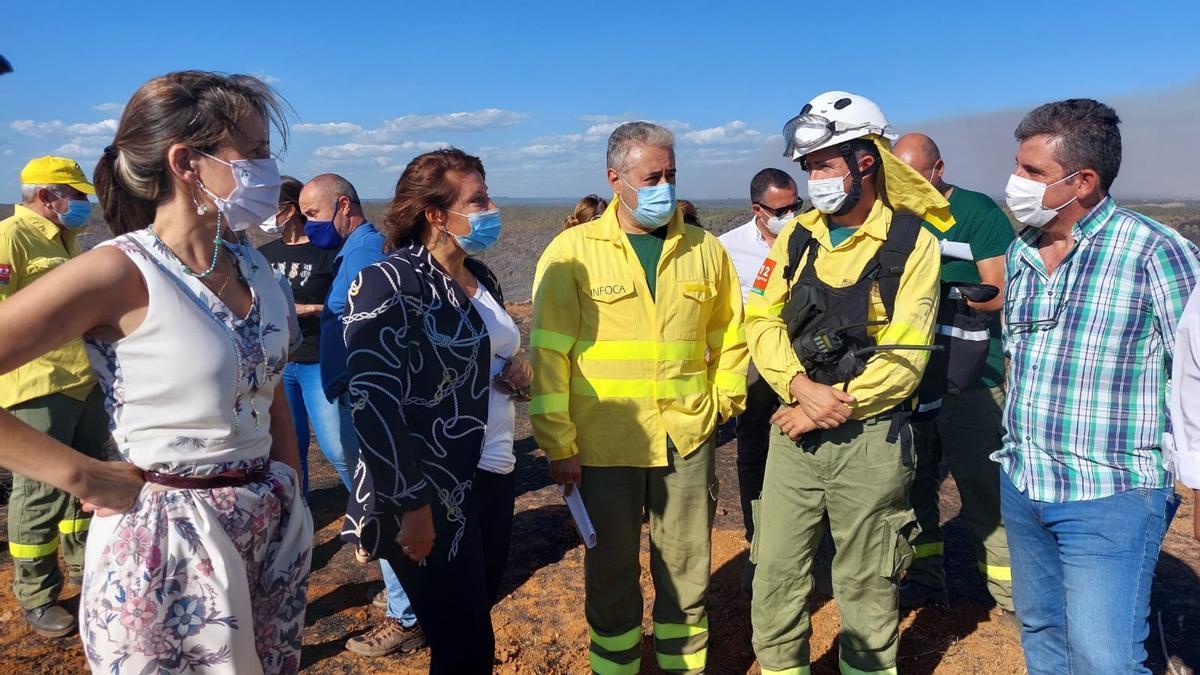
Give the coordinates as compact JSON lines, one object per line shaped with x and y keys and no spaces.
{"x":485,"y":231}
{"x":655,"y":204}
{"x":76,"y":214}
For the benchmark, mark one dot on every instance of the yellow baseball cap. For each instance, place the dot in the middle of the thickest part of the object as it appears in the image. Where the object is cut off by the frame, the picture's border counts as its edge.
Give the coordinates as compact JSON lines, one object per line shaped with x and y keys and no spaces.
{"x":50,"y":170}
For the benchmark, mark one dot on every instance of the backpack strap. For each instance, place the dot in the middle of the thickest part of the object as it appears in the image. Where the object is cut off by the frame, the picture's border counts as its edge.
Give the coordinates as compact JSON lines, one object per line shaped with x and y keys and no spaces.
{"x":800,"y":245}
{"x":893,"y":255}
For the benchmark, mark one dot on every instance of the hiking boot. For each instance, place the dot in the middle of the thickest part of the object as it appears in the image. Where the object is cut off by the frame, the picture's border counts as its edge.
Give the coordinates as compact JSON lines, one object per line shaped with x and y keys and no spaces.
{"x":748,"y":579}
{"x":1009,"y":620}
{"x":914,"y":595}
{"x":380,"y":598}
{"x":50,"y":621}
{"x":389,"y":637}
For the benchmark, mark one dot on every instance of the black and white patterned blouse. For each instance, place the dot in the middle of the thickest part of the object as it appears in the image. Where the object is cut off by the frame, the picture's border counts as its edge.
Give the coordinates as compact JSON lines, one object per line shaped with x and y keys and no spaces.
{"x":419,"y":358}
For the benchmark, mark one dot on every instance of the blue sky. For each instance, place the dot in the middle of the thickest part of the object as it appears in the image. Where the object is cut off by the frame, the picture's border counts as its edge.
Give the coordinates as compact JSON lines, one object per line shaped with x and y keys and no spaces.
{"x":534,"y":87}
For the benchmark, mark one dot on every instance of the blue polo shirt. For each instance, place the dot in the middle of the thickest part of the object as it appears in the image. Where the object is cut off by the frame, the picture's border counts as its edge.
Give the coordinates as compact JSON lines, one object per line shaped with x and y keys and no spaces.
{"x":363,"y":247}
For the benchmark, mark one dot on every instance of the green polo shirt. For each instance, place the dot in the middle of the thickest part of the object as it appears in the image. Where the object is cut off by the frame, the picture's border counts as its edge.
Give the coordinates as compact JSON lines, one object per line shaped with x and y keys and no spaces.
{"x":982,"y":224}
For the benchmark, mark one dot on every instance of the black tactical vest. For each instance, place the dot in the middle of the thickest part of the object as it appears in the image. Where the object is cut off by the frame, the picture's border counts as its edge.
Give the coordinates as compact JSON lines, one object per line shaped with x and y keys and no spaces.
{"x":828,"y":325}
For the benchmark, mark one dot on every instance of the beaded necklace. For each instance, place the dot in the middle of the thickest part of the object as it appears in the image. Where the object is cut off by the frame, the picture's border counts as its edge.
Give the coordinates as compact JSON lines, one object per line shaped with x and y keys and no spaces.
{"x":212,"y":263}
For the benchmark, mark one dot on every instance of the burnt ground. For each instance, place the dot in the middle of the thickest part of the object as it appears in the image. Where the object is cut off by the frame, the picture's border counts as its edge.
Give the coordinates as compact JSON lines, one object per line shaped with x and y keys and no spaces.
{"x":539,"y":621}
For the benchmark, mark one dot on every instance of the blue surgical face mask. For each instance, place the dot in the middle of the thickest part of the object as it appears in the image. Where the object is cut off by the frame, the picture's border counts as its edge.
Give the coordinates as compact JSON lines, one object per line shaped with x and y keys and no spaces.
{"x":655,"y":204}
{"x":76,"y":214}
{"x":485,"y":231}
{"x":322,"y":233}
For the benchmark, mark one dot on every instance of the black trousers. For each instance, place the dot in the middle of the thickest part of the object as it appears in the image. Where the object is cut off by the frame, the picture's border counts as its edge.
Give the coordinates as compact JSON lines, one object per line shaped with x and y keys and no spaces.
{"x":753,"y":435}
{"x":453,"y":598}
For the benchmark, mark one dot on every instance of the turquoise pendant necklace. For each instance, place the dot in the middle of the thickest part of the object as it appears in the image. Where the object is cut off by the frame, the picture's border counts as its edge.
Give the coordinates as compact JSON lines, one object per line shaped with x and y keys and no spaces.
{"x":212,"y":264}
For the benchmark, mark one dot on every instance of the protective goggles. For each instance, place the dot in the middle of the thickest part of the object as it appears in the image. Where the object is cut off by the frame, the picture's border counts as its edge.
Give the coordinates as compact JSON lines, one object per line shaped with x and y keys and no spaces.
{"x":806,"y":133}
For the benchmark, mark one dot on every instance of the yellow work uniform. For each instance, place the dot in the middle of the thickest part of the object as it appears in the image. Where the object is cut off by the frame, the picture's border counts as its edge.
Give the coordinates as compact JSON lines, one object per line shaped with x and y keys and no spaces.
{"x":56,"y":394}
{"x":31,"y":246}
{"x":633,"y":383}
{"x":890,"y":377}
{"x":616,"y":371}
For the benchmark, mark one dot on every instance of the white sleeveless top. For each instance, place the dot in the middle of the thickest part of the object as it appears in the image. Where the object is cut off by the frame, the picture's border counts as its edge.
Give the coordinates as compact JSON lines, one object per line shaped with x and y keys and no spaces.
{"x":189,"y":391}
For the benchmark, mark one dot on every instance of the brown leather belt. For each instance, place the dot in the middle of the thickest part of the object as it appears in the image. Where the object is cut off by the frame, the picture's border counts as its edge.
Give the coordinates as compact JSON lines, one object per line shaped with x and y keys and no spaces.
{"x":231,"y":478}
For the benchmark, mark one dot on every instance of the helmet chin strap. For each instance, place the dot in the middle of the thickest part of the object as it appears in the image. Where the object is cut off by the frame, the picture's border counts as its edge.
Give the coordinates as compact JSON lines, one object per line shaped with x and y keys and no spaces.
{"x":856,"y":177}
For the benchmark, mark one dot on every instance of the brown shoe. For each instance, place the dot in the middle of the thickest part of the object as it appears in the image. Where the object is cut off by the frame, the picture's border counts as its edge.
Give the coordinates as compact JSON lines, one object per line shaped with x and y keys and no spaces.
{"x":389,"y":637}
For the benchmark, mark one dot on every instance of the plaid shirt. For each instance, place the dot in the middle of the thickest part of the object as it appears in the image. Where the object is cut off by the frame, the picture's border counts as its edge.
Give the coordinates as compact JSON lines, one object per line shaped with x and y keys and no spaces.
{"x":1091,"y":348}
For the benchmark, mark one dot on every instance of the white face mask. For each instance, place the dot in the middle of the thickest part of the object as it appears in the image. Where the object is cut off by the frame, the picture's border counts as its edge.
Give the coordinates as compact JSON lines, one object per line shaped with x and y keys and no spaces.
{"x":271,"y":225}
{"x":255,"y":195}
{"x":775,"y":223}
{"x":828,"y":194}
{"x":1024,"y":198}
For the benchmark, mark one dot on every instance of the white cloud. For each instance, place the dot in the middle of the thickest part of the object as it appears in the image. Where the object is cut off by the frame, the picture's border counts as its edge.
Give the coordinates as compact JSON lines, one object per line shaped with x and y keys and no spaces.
{"x":82,"y":147}
{"x":77,"y":152}
{"x":327,"y":128}
{"x":601,"y":119}
{"x":733,"y":132}
{"x":109,"y":107}
{"x":56,"y":128}
{"x":561,"y":139}
{"x":478,"y":120}
{"x":539,"y":151}
{"x":602,"y":129}
{"x":603,"y":125}
{"x":375,"y":150}
{"x":269,"y":79}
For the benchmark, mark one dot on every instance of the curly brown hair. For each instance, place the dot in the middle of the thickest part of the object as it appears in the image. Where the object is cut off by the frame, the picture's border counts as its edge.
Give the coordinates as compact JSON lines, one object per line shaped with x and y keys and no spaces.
{"x":427,"y":182}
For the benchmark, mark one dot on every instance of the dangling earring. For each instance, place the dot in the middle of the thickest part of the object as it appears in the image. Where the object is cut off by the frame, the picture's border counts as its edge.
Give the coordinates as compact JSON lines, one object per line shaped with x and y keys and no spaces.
{"x":201,"y":207}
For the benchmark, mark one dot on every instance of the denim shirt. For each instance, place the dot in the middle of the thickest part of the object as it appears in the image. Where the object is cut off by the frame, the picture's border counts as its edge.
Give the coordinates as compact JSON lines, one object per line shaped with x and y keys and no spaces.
{"x":362,"y":248}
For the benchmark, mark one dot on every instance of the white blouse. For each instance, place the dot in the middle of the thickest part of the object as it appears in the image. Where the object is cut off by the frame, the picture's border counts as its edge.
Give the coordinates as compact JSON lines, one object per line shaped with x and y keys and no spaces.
{"x":1182,"y":452}
{"x":497,"y":454}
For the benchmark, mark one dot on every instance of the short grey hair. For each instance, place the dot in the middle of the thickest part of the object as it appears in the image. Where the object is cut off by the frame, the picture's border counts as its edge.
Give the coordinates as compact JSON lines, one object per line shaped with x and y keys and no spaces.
{"x":29,"y":191}
{"x":1086,"y":133}
{"x":630,"y":134}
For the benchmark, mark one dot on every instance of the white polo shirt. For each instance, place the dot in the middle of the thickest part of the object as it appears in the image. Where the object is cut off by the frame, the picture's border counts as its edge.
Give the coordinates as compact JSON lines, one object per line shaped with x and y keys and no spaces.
{"x":748,"y":249}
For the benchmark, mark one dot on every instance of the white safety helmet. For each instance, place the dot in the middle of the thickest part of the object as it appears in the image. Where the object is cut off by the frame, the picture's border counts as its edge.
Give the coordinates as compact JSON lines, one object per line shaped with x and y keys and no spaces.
{"x":831,"y":118}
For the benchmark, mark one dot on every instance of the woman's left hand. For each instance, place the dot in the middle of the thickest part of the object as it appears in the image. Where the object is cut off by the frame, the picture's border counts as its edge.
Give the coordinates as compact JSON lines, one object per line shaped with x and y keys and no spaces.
{"x":518,"y":371}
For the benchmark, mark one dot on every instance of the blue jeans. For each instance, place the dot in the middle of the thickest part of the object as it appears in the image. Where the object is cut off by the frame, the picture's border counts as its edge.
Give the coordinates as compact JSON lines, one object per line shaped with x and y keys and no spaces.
{"x":334,"y":429}
{"x":330,"y":420}
{"x":1081,"y":577}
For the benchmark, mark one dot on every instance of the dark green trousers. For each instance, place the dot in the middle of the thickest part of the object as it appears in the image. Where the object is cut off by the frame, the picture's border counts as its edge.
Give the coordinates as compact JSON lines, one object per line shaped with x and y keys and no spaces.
{"x":680,"y":500}
{"x":40,"y":516}
{"x":964,"y":434}
{"x":861,"y":481}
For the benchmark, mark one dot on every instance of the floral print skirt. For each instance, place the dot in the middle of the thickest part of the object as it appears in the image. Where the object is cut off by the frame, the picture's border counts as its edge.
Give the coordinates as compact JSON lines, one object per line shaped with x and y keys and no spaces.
{"x":203,"y":581}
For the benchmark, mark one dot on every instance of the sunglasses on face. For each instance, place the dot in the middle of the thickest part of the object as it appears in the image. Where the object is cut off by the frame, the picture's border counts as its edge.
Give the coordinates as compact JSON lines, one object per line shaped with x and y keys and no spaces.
{"x":794,"y":207}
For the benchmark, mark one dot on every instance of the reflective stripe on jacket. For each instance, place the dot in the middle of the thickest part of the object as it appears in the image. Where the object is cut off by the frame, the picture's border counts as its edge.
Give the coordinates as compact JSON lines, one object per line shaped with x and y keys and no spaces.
{"x":615,"y":371}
